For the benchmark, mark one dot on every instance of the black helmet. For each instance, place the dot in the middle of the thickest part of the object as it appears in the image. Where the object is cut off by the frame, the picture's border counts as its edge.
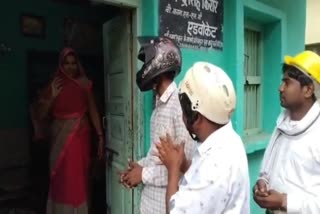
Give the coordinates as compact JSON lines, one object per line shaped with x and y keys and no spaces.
{"x":159,"y":55}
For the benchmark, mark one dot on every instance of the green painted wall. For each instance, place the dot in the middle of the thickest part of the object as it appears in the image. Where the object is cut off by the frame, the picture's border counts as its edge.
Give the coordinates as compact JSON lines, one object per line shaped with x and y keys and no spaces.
{"x":254,"y":166}
{"x":283,"y":29}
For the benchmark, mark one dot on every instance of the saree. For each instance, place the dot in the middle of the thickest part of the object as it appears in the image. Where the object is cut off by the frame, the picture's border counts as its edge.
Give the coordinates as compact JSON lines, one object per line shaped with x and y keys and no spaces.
{"x":70,"y":144}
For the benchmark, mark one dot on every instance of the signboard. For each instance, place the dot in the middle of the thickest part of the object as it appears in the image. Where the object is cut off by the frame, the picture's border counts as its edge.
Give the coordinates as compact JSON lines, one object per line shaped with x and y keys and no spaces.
{"x":194,"y":24}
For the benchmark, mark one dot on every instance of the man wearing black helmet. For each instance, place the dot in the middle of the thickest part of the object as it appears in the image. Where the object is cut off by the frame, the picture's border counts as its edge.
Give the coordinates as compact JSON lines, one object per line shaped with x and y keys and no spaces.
{"x":162,"y":63}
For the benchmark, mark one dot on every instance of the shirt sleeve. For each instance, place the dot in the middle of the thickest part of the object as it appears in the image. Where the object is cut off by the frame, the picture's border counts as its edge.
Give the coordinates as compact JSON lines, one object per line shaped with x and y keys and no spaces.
{"x":155,"y":175}
{"x":142,"y":162}
{"x":153,"y":172}
{"x":309,"y":202}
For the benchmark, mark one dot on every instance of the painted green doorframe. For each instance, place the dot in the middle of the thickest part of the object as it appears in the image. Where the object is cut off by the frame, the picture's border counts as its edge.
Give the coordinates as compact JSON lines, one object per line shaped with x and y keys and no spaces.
{"x":138,"y":99}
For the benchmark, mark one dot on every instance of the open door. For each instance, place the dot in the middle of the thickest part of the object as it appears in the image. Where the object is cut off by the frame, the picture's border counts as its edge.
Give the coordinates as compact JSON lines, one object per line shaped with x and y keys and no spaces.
{"x":117,"y":36}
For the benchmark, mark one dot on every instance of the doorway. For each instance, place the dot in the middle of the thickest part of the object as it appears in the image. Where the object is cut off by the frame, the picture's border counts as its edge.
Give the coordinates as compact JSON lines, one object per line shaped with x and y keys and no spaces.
{"x":118,"y":76}
{"x":110,"y":67}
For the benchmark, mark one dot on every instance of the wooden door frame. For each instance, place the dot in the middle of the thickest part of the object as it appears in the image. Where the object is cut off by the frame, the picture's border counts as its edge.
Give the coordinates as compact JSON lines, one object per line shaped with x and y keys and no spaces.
{"x":137,"y":101}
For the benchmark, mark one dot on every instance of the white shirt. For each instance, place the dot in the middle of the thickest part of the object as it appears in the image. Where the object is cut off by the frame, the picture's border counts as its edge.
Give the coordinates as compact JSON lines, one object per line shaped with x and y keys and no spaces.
{"x":292,"y":162}
{"x":217,"y":180}
{"x":166,"y":118}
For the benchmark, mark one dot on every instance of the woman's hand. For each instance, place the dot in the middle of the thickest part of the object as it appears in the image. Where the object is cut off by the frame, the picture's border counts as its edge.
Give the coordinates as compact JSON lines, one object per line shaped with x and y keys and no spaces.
{"x":56,"y":87}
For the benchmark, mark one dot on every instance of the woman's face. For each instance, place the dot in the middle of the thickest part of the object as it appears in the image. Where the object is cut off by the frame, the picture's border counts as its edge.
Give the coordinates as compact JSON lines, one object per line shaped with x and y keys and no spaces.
{"x":70,"y":65}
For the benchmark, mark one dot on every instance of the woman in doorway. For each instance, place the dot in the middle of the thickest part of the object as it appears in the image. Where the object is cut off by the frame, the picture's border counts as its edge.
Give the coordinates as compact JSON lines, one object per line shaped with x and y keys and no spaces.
{"x":68,"y":101}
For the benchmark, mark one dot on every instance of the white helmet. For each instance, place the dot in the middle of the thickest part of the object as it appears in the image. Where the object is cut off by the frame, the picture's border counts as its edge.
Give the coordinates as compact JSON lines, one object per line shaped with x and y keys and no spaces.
{"x":210,"y":91}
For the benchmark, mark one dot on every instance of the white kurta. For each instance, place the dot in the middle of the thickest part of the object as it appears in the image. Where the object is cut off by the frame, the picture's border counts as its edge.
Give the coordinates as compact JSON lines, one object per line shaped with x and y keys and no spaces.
{"x":292,"y":162}
{"x":217,"y":180}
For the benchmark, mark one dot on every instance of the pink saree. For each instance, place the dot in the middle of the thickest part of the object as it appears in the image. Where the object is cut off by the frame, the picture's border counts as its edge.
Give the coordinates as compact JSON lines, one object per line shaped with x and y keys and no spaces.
{"x":70,"y":144}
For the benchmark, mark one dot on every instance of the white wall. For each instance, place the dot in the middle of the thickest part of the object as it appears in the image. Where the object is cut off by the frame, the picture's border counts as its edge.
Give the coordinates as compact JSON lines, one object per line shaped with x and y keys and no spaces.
{"x":313,"y":22}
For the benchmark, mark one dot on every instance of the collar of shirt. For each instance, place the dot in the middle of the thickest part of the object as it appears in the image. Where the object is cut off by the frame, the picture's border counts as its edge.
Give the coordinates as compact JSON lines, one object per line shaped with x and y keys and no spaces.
{"x":214,"y":139}
{"x":167,"y":93}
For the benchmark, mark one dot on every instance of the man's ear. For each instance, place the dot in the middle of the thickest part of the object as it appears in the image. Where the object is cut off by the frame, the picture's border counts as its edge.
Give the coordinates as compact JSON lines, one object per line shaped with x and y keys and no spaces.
{"x":197,"y":118}
{"x":308,"y":90}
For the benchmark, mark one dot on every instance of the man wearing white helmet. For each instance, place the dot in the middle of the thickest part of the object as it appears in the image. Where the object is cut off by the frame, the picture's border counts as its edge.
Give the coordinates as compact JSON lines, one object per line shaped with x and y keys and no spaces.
{"x":289,"y":179}
{"x":216,"y":180}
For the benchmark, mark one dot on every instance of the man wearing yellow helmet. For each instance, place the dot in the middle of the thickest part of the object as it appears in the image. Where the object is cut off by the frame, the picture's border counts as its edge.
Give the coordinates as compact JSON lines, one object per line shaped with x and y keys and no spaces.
{"x":217,"y":180}
{"x":290,"y":172}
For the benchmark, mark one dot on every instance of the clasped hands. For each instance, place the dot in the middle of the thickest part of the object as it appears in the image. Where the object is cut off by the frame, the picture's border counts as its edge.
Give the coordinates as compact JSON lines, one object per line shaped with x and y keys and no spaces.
{"x":171,"y":155}
{"x":269,"y":199}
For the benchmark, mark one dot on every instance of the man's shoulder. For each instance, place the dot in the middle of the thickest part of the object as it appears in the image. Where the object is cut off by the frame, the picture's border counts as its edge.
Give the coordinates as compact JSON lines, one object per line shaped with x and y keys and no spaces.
{"x":173,"y":101}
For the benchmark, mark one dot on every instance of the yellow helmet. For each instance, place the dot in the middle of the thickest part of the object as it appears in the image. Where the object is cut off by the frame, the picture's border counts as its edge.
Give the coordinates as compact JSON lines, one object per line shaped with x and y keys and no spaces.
{"x":308,"y":62}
